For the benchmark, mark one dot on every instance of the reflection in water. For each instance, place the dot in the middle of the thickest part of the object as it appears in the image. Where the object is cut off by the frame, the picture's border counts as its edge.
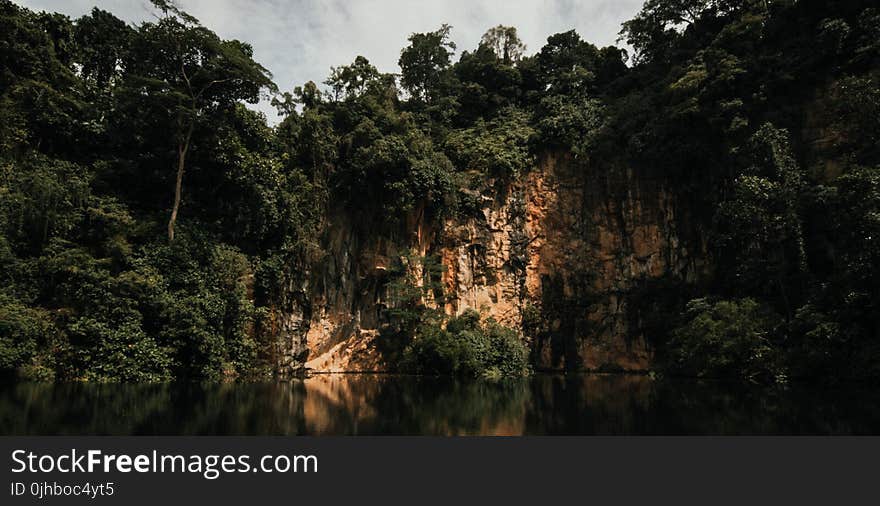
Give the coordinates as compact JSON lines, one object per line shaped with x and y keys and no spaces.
{"x":383,"y":404}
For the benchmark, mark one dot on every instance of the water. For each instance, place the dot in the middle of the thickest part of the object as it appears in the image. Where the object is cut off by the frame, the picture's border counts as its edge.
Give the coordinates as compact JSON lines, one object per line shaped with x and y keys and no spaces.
{"x":382,"y":404}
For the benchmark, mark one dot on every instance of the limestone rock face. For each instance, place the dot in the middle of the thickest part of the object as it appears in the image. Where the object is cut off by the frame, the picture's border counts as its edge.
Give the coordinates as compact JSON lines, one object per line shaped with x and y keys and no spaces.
{"x":565,"y":253}
{"x":597,"y":240}
{"x":289,"y":323}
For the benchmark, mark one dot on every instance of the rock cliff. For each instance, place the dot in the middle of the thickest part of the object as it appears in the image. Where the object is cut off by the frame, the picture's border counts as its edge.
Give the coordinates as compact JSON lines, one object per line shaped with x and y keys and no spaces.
{"x":568,"y":253}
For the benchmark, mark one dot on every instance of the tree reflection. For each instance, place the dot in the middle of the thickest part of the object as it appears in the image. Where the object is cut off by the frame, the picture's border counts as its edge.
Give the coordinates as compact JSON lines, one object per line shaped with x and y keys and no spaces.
{"x":386,"y":404}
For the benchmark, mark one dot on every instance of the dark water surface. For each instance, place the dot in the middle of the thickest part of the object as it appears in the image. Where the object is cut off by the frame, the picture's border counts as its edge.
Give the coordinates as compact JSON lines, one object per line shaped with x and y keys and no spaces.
{"x":382,"y":404}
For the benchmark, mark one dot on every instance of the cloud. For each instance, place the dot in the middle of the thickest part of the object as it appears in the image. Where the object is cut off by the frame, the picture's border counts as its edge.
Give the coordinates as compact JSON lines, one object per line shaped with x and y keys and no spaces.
{"x":299,"y":40}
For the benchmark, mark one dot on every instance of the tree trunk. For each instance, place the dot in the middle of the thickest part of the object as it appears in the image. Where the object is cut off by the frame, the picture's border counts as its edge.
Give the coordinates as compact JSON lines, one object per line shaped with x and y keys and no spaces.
{"x":182,"y":148}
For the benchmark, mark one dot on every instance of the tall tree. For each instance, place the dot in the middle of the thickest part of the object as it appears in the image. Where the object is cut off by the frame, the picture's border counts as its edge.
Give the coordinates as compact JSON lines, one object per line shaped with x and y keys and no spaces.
{"x":352,"y":80}
{"x":567,"y":64}
{"x":505,"y":42}
{"x":762,"y":227}
{"x":101,"y":40}
{"x":191,"y":71}
{"x":660,"y":22}
{"x":424,"y":60}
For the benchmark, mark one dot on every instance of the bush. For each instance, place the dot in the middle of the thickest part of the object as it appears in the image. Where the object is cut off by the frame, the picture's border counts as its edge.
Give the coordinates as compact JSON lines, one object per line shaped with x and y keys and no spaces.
{"x":570,"y":124}
{"x":205,"y":314}
{"x":468,"y":348}
{"x":116,"y":351}
{"x":725,"y":339}
{"x":498,"y":148}
{"x":24,"y":332}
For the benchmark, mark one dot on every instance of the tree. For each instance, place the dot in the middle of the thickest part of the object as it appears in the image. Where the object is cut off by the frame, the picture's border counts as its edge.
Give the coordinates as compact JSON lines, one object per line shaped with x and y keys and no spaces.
{"x":659,"y":23}
{"x":857,"y":217}
{"x":761,"y":226}
{"x":498,"y":148}
{"x":725,"y":339}
{"x":354,"y":79}
{"x":191,"y":71}
{"x":487,"y":84}
{"x":39,"y":105}
{"x":567,"y":64}
{"x":424,"y":60}
{"x":102,"y":41}
{"x":504,"y":41}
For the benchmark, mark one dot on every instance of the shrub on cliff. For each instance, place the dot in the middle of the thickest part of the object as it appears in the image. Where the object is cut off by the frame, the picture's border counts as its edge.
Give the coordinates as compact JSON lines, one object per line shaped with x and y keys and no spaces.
{"x":467,"y":347}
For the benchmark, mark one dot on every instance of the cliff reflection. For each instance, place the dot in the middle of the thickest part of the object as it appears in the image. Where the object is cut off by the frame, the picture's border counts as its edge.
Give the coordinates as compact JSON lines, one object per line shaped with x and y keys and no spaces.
{"x":382,"y":404}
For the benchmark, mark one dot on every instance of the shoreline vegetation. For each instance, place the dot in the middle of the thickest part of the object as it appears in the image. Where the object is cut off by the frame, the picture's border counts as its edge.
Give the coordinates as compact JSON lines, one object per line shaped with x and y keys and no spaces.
{"x":154,"y":229}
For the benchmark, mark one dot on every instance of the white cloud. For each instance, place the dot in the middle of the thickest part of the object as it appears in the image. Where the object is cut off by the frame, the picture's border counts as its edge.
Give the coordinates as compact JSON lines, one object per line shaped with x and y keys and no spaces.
{"x":298,"y":40}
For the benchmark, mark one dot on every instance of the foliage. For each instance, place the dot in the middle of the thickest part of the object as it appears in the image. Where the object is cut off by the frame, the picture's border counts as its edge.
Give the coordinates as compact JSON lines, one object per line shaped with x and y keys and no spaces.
{"x":571,"y":125}
{"x":467,"y":347}
{"x":725,"y":339}
{"x":504,"y":42}
{"x":91,"y":292}
{"x":352,"y":81}
{"x":424,"y":62}
{"x":25,"y":334}
{"x":498,"y":148}
{"x":422,"y":340}
{"x":758,"y":118}
{"x":761,"y":225}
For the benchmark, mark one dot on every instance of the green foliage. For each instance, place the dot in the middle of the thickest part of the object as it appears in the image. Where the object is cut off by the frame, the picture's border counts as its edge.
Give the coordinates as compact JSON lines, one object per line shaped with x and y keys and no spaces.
{"x":504,"y":42}
{"x":725,"y":339}
{"x":856,"y":109}
{"x":467,"y":347}
{"x":422,"y":340}
{"x":571,"y":67}
{"x":43,"y":199}
{"x":187,"y":75}
{"x":415,"y":283}
{"x":93,"y":109}
{"x":115,"y":350}
{"x":104,"y":126}
{"x":571,"y":125}
{"x":859,"y":197}
{"x":205,"y":310}
{"x":487,"y":84}
{"x":352,"y":81}
{"x":424,"y":62}
{"x":837,"y":328}
{"x":102,"y":42}
{"x":498,"y":148}
{"x":761,"y":226}
{"x":408,"y":171}
{"x":25,"y":334}
{"x":654,"y":31}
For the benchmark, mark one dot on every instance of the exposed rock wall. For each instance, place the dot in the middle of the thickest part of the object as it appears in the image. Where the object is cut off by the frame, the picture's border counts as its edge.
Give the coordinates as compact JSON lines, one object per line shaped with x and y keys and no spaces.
{"x":559,"y":253}
{"x":596,"y":237}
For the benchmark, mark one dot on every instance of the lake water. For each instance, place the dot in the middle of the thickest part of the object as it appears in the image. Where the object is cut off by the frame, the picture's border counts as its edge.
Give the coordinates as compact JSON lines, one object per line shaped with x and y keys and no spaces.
{"x":383,"y":404}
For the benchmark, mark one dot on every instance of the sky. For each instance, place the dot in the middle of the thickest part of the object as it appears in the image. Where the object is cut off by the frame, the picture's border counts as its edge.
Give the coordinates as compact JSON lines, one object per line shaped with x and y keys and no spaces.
{"x":299,"y":40}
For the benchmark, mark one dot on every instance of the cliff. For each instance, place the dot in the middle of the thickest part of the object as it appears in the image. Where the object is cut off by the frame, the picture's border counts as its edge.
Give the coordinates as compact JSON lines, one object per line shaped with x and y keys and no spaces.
{"x":559,"y":253}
